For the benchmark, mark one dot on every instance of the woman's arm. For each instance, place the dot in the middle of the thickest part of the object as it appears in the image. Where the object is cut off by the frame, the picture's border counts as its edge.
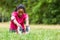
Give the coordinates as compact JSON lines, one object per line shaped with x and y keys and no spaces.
{"x":15,"y":21}
{"x":27,"y":21}
{"x":27,"y":24}
{"x":18,"y":25}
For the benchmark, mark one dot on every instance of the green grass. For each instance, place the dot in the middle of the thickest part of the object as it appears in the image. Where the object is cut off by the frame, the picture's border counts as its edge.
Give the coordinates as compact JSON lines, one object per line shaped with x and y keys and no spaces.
{"x":35,"y":34}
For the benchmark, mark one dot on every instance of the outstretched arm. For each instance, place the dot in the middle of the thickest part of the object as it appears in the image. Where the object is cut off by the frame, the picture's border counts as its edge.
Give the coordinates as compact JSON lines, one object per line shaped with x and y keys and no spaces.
{"x":27,"y":21}
{"x":27,"y":24}
{"x":15,"y":21}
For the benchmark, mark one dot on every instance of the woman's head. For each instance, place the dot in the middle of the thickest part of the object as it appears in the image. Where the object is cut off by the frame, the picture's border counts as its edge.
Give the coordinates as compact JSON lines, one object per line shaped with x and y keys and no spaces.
{"x":20,"y":9}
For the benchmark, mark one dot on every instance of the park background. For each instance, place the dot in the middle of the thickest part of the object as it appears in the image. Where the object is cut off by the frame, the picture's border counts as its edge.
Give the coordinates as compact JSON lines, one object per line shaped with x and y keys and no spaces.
{"x":44,"y":18}
{"x":39,"y":11}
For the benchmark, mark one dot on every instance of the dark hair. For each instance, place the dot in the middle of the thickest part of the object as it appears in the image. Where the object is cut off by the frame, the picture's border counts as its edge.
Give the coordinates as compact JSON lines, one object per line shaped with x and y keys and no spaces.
{"x":21,"y":6}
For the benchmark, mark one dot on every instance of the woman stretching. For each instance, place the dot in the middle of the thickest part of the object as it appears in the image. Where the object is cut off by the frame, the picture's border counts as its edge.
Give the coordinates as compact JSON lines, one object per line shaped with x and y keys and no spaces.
{"x":18,"y":18}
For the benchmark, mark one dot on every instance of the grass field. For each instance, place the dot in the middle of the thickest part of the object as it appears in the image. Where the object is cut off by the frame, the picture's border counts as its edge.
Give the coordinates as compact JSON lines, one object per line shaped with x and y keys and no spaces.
{"x":38,"y":32}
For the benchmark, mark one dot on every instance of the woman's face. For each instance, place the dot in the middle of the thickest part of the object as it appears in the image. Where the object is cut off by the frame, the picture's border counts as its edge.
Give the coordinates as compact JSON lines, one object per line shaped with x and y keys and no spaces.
{"x":20,"y":12}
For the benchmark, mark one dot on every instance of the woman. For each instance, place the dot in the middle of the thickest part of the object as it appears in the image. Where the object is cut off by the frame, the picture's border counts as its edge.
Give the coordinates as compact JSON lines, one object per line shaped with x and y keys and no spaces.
{"x":18,"y":18}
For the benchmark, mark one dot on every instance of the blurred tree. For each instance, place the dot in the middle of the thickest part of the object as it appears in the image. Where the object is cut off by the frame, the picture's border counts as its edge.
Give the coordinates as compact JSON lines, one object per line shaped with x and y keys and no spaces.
{"x":39,"y":11}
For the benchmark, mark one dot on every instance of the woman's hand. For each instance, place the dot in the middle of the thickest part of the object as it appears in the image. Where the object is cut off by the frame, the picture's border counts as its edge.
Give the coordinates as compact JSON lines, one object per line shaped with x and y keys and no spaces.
{"x":18,"y":25}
